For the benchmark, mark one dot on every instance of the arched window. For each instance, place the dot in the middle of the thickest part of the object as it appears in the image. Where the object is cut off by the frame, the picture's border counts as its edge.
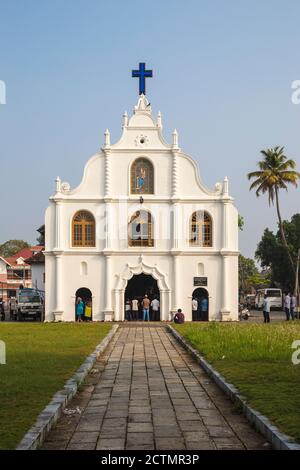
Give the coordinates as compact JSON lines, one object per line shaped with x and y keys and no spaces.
{"x":142,"y":177}
{"x":200,"y":229}
{"x":83,"y":229}
{"x":140,"y":230}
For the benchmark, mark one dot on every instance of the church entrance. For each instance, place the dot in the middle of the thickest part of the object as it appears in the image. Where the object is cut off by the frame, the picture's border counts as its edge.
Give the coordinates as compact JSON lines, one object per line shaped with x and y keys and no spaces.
{"x":86,"y":296}
{"x":137,"y":287}
{"x":201,"y":296}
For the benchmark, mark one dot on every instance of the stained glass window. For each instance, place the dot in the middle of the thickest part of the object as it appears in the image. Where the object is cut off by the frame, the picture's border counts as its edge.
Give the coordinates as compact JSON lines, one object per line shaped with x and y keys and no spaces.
{"x":142,"y":177}
{"x":83,"y":229}
{"x":140,"y":230}
{"x":201,"y":229}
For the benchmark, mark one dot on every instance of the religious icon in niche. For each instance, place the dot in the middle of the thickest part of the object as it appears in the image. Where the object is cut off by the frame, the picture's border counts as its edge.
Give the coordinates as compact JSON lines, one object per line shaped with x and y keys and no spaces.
{"x":142,"y":177}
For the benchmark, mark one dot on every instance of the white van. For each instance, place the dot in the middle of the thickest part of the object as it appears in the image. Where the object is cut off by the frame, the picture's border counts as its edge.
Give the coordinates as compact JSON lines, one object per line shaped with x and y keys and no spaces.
{"x":274,"y":296}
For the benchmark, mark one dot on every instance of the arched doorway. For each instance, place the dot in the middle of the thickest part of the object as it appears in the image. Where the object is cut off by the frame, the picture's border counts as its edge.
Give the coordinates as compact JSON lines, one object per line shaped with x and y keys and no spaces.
{"x":201,"y":295}
{"x":85,"y":294}
{"x":137,"y":287}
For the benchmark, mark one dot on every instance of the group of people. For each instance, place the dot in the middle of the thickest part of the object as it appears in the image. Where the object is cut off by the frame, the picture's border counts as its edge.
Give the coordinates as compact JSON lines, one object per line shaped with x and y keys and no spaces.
{"x":200,"y":308}
{"x":136,"y":309}
{"x":83,"y":310}
{"x":290,"y":302}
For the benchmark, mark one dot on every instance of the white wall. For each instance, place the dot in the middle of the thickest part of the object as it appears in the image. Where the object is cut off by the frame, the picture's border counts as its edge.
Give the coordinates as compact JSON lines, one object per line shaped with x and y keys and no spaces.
{"x":37,"y":273}
{"x":3,"y":267}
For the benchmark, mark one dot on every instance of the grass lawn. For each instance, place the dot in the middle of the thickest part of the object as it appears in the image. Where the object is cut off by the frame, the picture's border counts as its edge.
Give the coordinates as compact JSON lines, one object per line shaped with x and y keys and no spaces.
{"x":40,"y":357}
{"x":256,"y":358}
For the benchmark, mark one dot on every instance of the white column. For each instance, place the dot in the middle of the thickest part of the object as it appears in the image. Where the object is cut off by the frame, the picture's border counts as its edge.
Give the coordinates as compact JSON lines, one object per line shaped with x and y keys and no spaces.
{"x":175,"y":227}
{"x":58,"y":225}
{"x":175,"y":283}
{"x":58,"y":312}
{"x":118,"y":304}
{"x":225,"y":309}
{"x":107,"y":174}
{"x":174,"y":175}
{"x":225,"y":226}
{"x":108,"y":312}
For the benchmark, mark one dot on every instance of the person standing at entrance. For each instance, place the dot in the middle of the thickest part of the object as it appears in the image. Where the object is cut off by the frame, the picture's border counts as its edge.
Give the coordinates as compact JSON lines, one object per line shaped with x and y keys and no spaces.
{"x":266,"y":309}
{"x":128,"y":310}
{"x":79,"y":309}
{"x":135,"y":309}
{"x":287,"y":305}
{"x":155,"y":309}
{"x":194,"y":309}
{"x":146,"y":305}
{"x":204,"y":309}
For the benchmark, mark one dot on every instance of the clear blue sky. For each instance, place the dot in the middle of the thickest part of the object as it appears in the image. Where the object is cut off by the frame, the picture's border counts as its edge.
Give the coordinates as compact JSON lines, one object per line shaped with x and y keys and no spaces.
{"x":222,"y":76}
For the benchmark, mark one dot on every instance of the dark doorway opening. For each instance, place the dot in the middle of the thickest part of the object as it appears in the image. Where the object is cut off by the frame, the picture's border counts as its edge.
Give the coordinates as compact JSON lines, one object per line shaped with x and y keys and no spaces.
{"x":201,"y":295}
{"x":85,"y":294}
{"x":139,"y":286}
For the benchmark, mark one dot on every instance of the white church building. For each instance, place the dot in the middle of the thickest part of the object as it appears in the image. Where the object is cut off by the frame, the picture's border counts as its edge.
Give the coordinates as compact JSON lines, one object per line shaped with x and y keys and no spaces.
{"x":141,"y":222}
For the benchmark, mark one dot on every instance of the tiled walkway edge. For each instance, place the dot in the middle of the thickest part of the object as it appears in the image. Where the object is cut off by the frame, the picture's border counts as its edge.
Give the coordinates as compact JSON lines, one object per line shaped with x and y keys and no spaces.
{"x":49,"y":416}
{"x":279,"y":440}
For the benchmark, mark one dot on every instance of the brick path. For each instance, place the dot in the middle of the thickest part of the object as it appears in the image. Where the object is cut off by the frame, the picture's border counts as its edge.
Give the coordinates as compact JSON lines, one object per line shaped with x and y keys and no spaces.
{"x":147,"y":393}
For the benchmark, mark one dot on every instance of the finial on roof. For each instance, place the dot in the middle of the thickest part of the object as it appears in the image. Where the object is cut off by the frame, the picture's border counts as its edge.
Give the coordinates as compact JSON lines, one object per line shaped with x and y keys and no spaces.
{"x":58,"y":184}
{"x":159,"y":124}
{"x":225,"y":186}
{"x":106,"y":138}
{"x":125,"y":119}
{"x":175,"y":139}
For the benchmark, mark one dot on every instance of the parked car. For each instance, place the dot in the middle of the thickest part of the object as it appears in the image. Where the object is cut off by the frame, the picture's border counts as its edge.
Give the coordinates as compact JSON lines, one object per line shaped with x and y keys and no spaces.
{"x":274,"y":295}
{"x":250,"y":301}
{"x":29,"y":304}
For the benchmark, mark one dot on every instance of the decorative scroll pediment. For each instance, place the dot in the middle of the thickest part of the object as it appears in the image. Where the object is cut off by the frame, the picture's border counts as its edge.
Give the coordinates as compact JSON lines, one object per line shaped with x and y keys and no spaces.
{"x":140,"y":268}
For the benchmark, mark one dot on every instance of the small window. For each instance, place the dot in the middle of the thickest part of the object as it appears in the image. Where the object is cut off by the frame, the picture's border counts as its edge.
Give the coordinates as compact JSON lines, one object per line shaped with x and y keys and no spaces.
{"x":140,"y":230}
{"x":201,"y":229}
{"x":83,"y":229}
{"x":142,"y":177}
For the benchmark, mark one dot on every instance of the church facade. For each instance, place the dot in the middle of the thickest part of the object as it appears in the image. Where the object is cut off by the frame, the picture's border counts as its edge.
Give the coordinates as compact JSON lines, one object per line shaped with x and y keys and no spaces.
{"x":141,"y":222}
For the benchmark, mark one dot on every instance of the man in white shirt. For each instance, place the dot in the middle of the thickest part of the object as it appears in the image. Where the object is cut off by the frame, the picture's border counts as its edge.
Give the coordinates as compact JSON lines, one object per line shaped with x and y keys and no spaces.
{"x":266,"y":309}
{"x":155,"y":309}
{"x":194,"y":309}
{"x":135,"y":309}
{"x":293,"y":306}
{"x":287,"y":306}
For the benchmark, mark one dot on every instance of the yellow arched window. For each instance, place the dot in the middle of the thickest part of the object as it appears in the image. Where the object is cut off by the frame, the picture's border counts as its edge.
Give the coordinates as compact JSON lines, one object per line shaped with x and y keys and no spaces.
{"x":142,"y":177}
{"x":83,"y":229}
{"x":200,"y":229}
{"x":140,"y":229}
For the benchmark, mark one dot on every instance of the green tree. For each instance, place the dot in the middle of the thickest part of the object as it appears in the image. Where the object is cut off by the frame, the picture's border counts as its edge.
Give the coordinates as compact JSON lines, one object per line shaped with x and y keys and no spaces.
{"x":241,"y":222}
{"x":247,"y":270}
{"x":275,"y":173}
{"x":272,"y":254}
{"x":11,"y":247}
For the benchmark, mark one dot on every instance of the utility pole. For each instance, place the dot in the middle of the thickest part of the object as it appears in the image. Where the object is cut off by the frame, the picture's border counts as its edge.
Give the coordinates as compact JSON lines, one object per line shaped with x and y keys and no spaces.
{"x":296,"y":290}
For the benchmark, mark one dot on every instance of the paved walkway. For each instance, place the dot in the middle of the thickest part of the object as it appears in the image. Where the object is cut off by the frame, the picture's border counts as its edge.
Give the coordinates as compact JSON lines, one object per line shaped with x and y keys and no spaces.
{"x":147,"y":393}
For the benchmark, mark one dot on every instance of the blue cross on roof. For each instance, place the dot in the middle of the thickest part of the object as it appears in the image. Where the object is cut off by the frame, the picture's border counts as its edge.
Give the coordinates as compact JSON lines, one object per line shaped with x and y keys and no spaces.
{"x":142,"y":74}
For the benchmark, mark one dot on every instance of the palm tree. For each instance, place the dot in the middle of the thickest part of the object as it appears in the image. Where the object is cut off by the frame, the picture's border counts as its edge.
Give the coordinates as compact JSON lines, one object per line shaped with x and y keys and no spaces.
{"x":275,"y":173}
